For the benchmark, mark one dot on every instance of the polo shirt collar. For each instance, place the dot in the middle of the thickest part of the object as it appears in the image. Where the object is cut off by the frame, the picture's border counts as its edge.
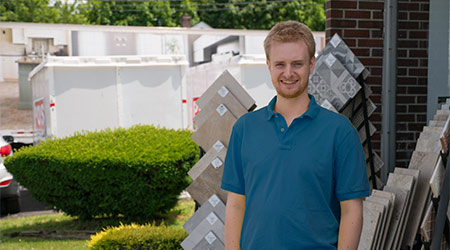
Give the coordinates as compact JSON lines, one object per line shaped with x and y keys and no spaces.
{"x":313,"y":108}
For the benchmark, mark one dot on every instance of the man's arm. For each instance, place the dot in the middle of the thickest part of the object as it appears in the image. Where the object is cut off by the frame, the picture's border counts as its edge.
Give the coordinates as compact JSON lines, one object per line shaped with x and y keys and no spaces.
{"x":233,"y":220}
{"x":351,"y":224}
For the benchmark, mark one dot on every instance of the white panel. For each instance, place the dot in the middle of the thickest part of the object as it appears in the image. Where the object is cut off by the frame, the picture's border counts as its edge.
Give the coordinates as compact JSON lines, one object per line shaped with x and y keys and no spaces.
{"x":173,"y":45}
{"x":18,"y":36}
{"x":258,"y":83}
{"x":254,"y":45}
{"x":152,"y":95}
{"x":59,"y":36}
{"x":148,"y":44}
{"x":91,"y":43}
{"x":85,"y":99}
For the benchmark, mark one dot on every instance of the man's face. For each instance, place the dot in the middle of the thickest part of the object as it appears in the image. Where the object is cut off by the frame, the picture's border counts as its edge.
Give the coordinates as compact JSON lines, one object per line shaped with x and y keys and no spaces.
{"x":290,"y":67}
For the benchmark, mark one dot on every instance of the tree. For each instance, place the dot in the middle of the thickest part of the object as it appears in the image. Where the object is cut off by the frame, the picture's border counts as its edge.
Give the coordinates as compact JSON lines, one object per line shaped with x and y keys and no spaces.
{"x":39,"y":11}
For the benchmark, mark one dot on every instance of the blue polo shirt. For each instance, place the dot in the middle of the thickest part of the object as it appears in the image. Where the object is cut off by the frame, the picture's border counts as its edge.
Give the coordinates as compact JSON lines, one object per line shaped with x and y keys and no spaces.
{"x":293,"y":178}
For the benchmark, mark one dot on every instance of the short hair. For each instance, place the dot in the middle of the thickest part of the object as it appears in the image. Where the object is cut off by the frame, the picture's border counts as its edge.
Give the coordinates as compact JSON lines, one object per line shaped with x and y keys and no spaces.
{"x":290,"y":31}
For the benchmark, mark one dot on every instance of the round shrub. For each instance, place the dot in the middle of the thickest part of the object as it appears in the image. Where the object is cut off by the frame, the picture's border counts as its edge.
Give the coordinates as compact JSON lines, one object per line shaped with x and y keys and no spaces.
{"x":136,"y":172}
{"x":138,"y":237}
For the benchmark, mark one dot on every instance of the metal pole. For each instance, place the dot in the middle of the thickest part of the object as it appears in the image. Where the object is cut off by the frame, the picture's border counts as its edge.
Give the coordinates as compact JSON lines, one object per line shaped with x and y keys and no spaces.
{"x":389,"y":89}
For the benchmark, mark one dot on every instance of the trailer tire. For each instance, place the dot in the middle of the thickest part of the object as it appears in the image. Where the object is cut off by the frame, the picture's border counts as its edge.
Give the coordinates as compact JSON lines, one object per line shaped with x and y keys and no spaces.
{"x":10,"y":206}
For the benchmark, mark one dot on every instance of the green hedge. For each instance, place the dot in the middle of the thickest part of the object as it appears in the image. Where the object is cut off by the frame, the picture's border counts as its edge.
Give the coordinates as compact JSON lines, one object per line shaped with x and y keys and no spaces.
{"x":137,"y":172}
{"x":138,"y":237}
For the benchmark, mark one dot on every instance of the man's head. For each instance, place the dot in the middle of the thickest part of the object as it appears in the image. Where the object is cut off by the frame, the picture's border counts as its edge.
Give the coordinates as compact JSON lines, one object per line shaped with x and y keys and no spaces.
{"x":290,"y":31}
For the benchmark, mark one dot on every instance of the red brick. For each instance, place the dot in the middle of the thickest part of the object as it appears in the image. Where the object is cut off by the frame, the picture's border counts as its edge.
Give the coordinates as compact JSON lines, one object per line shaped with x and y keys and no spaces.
{"x":423,"y":63}
{"x":351,"y":43}
{"x":417,"y":108}
{"x":425,"y":7}
{"x":402,"y":15}
{"x":418,"y":34}
{"x":330,"y":33}
{"x":342,"y":23}
{"x":332,"y":13}
{"x":417,"y":90}
{"x":408,"y":6}
{"x":376,"y":34}
{"x":401,"y":72}
{"x":400,"y":108}
{"x":408,"y":25}
{"x":419,"y":16}
{"x":402,"y":52}
{"x":423,"y":44}
{"x":423,"y":25}
{"x":402,"y":135}
{"x":341,"y":4}
{"x":408,"y":44}
{"x":422,"y":80}
{"x":402,"y":34}
{"x":422,"y":99}
{"x":356,"y":33}
{"x":361,"y":52}
{"x":418,"y":53}
{"x":405,"y":99}
{"x":371,"y":61}
{"x":370,"y":24}
{"x":370,"y":43}
{"x":357,"y":14}
{"x":377,"y":15}
{"x":418,"y":72}
{"x":408,"y":62}
{"x":406,"y":80}
{"x":376,"y":71}
{"x":371,"y":5}
{"x":421,"y":118}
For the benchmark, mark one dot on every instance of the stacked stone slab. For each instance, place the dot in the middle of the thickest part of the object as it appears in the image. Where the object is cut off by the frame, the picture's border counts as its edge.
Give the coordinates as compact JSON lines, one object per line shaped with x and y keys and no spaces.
{"x":409,"y":191}
{"x":220,"y":106}
{"x":335,"y":87}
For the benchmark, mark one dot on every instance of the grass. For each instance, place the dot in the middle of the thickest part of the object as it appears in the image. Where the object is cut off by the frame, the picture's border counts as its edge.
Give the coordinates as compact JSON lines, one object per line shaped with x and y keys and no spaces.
{"x":63,"y":225}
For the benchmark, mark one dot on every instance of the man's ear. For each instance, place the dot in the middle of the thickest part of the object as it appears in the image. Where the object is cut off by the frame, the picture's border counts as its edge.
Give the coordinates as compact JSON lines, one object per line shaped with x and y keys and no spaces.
{"x":312,"y":64}
{"x":268,"y":64}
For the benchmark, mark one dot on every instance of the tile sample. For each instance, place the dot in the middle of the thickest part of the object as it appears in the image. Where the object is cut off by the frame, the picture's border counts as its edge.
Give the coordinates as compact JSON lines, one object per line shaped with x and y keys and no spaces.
{"x":437,"y":123}
{"x":330,"y":80}
{"x":344,"y":54}
{"x":371,"y":219}
{"x":427,"y":226}
{"x":407,"y":183}
{"x":212,"y":223}
{"x":207,"y":184}
{"x":216,"y":154}
{"x":227,"y":80}
{"x":358,"y":117}
{"x":217,"y":127}
{"x":388,"y":203}
{"x":355,"y":103}
{"x":362,"y":132}
{"x":445,"y":136}
{"x":428,"y":145}
{"x":225,"y":97}
{"x":399,"y":204}
{"x":377,"y":161}
{"x":214,"y":204}
{"x":210,"y":242}
{"x":380,"y":226}
{"x":437,"y":179}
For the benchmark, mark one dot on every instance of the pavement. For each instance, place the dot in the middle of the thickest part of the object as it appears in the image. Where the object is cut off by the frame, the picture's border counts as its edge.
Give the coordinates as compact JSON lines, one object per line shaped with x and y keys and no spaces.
{"x":12,"y":118}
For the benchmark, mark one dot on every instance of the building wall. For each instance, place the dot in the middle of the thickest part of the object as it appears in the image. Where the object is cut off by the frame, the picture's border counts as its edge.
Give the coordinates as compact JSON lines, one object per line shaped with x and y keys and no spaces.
{"x":360,"y":24}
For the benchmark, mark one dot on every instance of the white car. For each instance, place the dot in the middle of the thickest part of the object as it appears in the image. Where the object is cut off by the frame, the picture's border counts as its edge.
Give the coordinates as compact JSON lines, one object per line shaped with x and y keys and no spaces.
{"x":9,"y":188}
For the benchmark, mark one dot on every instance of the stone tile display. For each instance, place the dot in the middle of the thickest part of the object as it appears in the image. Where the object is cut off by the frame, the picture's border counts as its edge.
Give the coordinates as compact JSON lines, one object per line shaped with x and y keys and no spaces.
{"x":371,"y":222}
{"x":214,"y":204}
{"x":445,"y":136}
{"x":210,"y":241}
{"x":437,"y":123}
{"x":207,"y":184}
{"x":214,"y":157}
{"x":399,"y":205}
{"x":331,"y":81}
{"x":217,"y":127}
{"x":227,"y":80}
{"x":225,"y":97}
{"x":340,"y":50}
{"x":387,"y":200}
{"x":380,"y":226}
{"x":362,"y":132}
{"x":211,"y":223}
{"x":437,"y":179}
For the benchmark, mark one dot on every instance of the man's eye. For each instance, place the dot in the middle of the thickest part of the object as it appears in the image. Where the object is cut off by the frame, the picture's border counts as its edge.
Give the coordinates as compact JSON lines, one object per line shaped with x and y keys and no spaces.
{"x":279,"y":65}
{"x":298,"y":64}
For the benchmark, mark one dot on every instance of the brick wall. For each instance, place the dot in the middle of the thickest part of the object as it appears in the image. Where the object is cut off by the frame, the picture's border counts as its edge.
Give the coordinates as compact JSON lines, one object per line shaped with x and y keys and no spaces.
{"x":360,"y":24}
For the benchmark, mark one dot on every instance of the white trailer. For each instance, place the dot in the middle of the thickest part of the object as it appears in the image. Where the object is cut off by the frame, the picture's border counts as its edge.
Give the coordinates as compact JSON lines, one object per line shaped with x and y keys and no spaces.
{"x":93,"y":93}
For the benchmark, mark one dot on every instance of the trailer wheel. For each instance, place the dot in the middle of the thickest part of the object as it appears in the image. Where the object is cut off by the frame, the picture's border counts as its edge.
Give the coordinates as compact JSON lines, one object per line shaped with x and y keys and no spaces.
{"x":10,"y":206}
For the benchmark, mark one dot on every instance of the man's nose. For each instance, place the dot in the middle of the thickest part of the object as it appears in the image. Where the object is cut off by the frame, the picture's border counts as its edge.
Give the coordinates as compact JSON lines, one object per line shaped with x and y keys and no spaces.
{"x":288,"y":71}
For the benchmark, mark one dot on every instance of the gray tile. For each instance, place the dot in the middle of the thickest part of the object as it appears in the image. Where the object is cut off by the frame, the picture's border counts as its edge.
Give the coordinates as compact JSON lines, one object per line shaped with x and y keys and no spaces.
{"x":227,"y":80}
{"x":399,"y":205}
{"x":427,"y":225}
{"x":437,"y":123}
{"x":214,"y":204}
{"x":217,"y":127}
{"x":356,"y":102}
{"x":217,"y":151}
{"x":380,"y":226}
{"x":440,"y":117}
{"x":344,"y":54}
{"x":429,"y":129}
{"x":362,"y":132}
{"x":331,"y":81}
{"x":377,"y":161}
{"x":371,"y":220}
{"x":388,"y":203}
{"x":211,"y":223}
{"x":358,"y":118}
{"x":210,"y":242}
{"x":224,"y":97}
{"x":428,"y":145}
{"x":437,"y":178}
{"x":207,"y":184}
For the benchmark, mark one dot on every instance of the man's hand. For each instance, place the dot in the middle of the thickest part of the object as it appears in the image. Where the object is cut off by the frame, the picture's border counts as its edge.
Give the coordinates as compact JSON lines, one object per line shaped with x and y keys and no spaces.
{"x":351,"y":224}
{"x":233,"y":220}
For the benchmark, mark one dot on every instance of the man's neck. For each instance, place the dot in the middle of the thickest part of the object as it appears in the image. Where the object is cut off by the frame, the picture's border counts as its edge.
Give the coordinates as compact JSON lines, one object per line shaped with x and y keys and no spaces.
{"x":291,"y":108}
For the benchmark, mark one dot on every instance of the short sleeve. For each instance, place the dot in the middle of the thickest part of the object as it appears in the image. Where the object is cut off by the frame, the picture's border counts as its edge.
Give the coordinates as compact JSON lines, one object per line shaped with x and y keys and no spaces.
{"x":350,"y":168}
{"x":233,"y":177}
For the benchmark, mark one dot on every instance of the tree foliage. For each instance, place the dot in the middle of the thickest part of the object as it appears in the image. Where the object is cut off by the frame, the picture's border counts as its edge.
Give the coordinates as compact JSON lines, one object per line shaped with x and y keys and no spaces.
{"x":236,"y":14}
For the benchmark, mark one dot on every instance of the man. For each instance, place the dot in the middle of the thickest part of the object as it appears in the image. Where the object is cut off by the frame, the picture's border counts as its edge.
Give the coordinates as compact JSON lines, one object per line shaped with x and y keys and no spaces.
{"x":295,"y":172}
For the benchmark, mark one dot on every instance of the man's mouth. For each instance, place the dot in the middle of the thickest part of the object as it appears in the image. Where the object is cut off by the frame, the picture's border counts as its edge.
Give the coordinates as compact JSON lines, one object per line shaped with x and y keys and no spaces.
{"x":289,"y":81}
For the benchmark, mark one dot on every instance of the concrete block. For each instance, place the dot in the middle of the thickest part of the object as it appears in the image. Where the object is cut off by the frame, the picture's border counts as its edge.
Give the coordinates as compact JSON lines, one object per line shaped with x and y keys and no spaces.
{"x":214,"y":204}
{"x":217,"y":127}
{"x":211,"y":223}
{"x":207,"y":184}
{"x":380,"y":226}
{"x":433,"y":123}
{"x":216,"y":154}
{"x":227,"y":80}
{"x":371,"y":220}
{"x":428,"y":145}
{"x":225,"y":97}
